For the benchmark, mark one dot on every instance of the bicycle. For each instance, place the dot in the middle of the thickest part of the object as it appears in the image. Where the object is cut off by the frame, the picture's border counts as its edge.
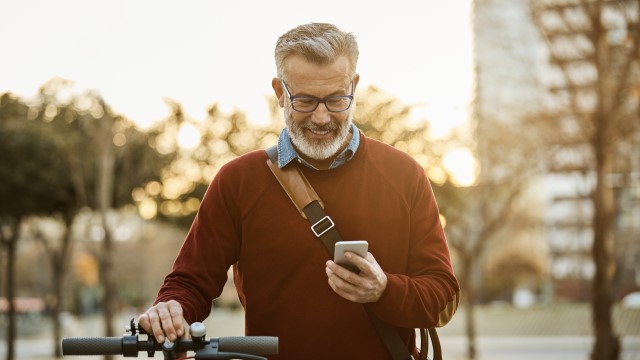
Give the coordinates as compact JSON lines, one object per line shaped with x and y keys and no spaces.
{"x":232,"y":347}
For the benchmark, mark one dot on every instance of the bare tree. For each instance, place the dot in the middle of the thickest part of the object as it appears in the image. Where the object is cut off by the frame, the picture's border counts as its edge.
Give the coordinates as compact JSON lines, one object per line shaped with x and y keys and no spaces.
{"x":594,"y":48}
{"x":478,"y":215}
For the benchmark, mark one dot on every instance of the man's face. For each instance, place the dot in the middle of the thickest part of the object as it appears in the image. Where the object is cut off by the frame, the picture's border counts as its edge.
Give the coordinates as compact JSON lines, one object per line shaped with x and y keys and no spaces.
{"x":319,"y":134}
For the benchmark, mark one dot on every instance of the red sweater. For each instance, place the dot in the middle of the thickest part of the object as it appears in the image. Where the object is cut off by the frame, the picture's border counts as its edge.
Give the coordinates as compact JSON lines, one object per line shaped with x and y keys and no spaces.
{"x":247,"y":221}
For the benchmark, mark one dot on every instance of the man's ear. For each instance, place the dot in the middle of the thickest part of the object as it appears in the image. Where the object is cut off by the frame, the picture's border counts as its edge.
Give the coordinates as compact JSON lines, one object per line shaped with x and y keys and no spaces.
{"x":356,"y":78}
{"x":276,"y":84}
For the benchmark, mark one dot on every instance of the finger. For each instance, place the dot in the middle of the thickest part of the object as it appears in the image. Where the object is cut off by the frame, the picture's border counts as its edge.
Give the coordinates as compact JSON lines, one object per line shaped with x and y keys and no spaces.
{"x":345,"y":273}
{"x":372,"y":260}
{"x":340,"y":291}
{"x":364,"y":264}
{"x":342,"y":273}
{"x":143,"y":321}
{"x":340,"y":286}
{"x":335,"y":278}
{"x":378,"y":277}
{"x":166,"y":313}
{"x":187,"y":336}
{"x":367,"y":286}
{"x":154,"y":326}
{"x":187,"y":330}
{"x":178,"y":321}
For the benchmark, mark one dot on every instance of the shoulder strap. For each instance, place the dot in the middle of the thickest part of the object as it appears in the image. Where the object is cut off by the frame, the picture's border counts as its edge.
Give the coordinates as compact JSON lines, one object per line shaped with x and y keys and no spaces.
{"x":304,"y":197}
{"x":306,"y":200}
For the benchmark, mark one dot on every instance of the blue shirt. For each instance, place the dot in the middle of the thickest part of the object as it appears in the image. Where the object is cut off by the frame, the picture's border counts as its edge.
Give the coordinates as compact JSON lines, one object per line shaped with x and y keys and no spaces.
{"x":287,"y":153}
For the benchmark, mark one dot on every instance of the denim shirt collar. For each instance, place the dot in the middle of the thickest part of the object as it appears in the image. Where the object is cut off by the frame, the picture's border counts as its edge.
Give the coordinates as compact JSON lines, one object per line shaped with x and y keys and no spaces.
{"x":287,"y":153}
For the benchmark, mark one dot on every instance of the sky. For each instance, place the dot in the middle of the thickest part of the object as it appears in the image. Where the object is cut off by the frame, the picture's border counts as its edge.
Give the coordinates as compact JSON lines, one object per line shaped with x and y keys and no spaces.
{"x":135,"y":53}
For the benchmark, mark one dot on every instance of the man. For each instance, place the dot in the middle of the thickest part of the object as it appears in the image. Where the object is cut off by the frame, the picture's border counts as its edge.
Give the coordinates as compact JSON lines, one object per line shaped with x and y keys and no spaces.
{"x":285,"y":279}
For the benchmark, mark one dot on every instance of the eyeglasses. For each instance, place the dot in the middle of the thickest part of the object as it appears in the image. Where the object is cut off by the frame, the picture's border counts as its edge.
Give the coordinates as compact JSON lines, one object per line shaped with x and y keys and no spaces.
{"x":307,"y":104}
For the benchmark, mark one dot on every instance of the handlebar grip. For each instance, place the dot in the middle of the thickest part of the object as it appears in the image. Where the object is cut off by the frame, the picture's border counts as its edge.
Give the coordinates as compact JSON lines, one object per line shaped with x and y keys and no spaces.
{"x":257,"y":345}
{"x":92,"y":346}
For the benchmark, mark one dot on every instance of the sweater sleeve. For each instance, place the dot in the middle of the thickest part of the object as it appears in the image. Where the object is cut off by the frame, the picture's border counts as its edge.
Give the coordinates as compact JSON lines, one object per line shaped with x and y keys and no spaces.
{"x":210,"y":248}
{"x":428,"y":293}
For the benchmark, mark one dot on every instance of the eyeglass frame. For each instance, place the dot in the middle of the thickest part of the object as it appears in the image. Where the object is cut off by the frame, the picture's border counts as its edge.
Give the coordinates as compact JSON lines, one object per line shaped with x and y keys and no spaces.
{"x":319,"y":100}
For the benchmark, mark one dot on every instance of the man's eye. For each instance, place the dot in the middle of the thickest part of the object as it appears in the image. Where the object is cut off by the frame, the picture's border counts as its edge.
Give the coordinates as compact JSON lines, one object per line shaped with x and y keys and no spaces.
{"x":338,"y":101}
{"x":305,"y":102}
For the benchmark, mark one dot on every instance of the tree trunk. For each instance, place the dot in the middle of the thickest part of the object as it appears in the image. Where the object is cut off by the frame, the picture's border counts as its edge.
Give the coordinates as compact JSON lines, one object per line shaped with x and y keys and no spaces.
{"x":59,"y":263}
{"x":468,"y":300}
{"x":10,"y":244}
{"x":57,"y":309}
{"x":106,"y":270}
{"x":11,"y":276}
{"x":104,"y":189}
{"x":607,"y":343}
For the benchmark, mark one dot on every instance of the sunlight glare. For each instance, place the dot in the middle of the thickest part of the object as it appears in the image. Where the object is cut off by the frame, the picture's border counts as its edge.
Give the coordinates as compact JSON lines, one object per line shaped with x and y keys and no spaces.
{"x":188,"y":136}
{"x":147,"y":209}
{"x":443,"y":119}
{"x":437,"y":175}
{"x":462,"y":166}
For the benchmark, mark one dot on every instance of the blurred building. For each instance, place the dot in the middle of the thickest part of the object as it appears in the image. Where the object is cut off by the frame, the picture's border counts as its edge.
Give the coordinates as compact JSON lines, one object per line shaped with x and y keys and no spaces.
{"x":512,"y":81}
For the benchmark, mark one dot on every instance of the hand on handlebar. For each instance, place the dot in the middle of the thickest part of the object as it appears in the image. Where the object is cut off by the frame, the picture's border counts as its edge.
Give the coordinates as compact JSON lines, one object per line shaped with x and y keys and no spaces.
{"x":165,"y":319}
{"x":236,"y":347}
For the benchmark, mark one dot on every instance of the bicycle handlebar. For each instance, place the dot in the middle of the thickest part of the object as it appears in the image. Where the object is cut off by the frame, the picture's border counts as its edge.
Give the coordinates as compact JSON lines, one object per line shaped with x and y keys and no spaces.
{"x":245,"y":347}
{"x":93,"y":346}
{"x":127,"y":345}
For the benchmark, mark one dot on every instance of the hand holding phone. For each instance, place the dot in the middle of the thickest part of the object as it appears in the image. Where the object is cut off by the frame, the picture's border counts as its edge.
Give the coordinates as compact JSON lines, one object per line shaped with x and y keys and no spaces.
{"x":360,"y":247}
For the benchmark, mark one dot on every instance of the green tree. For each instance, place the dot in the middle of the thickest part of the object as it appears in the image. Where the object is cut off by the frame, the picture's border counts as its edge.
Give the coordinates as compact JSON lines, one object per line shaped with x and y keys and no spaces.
{"x":383,"y":117}
{"x":106,"y":157}
{"x":92,"y":158}
{"x":216,"y":139}
{"x":222,"y":137}
{"x":33,"y":180}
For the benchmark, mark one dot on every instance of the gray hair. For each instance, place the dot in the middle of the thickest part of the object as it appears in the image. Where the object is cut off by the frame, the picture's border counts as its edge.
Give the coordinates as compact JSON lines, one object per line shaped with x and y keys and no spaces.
{"x":317,"y":43}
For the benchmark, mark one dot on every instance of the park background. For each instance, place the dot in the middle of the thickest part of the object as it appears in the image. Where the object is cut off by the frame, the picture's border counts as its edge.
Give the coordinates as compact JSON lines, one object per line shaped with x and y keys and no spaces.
{"x":115,"y":115}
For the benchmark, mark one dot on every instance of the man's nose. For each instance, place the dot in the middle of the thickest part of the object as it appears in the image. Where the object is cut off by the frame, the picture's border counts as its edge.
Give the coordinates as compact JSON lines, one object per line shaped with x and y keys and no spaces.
{"x":321,"y":115}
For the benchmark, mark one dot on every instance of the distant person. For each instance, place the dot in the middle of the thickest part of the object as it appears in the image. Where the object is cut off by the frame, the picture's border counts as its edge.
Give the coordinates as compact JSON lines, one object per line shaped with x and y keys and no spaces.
{"x":287,"y":283}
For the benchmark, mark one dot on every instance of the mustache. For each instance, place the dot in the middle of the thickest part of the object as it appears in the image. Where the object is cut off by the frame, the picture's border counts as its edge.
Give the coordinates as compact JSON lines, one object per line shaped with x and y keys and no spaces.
{"x":326,"y":127}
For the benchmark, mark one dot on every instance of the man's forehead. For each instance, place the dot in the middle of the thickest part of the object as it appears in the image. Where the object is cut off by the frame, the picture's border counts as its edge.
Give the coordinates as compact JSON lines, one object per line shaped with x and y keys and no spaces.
{"x":297,"y":66}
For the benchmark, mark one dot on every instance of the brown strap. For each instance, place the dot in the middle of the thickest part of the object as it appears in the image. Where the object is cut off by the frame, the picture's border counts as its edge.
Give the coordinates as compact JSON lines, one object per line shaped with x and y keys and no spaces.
{"x":435,"y":340}
{"x":296,"y":186}
{"x":306,"y":200}
{"x":424,"y":344}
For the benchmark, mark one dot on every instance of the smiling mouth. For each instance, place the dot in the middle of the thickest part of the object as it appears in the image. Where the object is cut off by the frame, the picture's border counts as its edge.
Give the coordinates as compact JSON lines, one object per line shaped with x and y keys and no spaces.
{"x":320,"y":132}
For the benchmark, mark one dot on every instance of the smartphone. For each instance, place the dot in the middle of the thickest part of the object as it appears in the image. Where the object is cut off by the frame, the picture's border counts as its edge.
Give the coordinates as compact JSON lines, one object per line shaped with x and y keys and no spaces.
{"x":359,"y":247}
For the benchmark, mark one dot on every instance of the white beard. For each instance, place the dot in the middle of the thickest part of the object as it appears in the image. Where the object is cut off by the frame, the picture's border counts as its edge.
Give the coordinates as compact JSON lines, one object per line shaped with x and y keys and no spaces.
{"x":317,"y":150}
